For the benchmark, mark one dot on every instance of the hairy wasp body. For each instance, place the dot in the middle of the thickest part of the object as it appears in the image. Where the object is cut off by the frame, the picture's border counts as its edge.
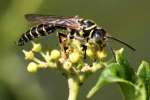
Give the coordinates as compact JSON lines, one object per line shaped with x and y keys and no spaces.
{"x":76,"y":28}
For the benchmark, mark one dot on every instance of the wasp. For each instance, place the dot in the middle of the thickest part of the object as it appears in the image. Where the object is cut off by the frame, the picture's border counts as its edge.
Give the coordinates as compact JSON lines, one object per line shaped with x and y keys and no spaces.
{"x":76,"y":27}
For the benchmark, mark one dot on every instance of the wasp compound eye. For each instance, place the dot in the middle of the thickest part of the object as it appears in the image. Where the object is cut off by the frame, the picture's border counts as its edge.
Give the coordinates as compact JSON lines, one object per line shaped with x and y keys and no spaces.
{"x":98,"y":35}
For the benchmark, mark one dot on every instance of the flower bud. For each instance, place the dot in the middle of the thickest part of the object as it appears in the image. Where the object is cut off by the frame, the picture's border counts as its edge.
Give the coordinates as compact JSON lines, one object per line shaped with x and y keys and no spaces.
{"x":36,"y":47}
{"x":76,"y":42}
{"x":101,"y":54}
{"x":67,"y":65}
{"x":55,"y":54}
{"x":90,"y":52}
{"x":74,"y":57}
{"x":29,"y":55}
{"x":32,"y":67}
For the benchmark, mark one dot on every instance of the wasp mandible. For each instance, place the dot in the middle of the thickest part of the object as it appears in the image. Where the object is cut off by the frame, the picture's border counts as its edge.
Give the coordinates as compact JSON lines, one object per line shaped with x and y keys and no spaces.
{"x":77,"y":28}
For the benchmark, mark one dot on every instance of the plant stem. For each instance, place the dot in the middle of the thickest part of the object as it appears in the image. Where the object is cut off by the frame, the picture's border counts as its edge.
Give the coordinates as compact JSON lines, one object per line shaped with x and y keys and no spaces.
{"x":74,"y":88}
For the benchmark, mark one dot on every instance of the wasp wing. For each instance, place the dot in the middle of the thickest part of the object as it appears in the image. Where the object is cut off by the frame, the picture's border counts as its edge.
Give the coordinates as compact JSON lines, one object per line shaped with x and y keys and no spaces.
{"x":70,"y":22}
{"x":38,"y":19}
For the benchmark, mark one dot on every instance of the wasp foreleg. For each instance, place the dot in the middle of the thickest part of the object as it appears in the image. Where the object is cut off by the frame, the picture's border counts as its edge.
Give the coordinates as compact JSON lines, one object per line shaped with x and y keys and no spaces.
{"x":84,"y":49}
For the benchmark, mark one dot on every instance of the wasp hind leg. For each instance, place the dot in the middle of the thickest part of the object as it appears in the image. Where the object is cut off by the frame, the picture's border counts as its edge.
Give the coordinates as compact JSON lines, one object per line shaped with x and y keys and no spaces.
{"x":62,"y":38}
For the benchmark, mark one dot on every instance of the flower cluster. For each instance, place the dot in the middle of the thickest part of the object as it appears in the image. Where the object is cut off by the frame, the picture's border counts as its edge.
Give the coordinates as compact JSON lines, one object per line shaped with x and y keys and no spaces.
{"x":70,"y":61}
{"x":77,"y":64}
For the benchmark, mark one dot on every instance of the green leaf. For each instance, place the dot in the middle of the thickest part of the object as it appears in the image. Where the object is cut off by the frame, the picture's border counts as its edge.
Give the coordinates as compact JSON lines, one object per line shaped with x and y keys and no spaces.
{"x":144,"y":73}
{"x":132,"y":87}
{"x":126,"y":68}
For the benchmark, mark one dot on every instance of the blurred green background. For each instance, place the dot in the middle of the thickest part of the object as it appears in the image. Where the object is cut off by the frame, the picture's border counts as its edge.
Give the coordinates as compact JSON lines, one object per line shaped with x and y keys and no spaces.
{"x":128,"y":20}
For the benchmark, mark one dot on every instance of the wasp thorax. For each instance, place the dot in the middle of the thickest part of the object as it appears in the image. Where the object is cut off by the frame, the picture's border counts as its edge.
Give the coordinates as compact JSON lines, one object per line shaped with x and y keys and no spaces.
{"x":88,"y":24}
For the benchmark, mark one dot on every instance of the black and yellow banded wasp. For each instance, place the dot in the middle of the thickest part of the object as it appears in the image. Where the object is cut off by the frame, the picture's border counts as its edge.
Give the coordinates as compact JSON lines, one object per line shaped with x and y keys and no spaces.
{"x":77,"y":28}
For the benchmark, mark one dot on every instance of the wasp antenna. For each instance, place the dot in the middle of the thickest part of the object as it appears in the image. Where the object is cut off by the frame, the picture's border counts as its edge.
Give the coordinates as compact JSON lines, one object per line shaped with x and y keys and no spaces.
{"x":112,"y":51}
{"x":124,"y":43}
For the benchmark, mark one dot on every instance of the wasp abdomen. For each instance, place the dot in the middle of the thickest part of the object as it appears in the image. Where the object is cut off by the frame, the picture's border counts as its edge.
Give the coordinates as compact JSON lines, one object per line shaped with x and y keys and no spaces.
{"x":35,"y":32}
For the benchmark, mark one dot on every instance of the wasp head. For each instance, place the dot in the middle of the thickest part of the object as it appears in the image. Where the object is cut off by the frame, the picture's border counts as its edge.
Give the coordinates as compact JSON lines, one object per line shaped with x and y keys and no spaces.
{"x":99,"y":36}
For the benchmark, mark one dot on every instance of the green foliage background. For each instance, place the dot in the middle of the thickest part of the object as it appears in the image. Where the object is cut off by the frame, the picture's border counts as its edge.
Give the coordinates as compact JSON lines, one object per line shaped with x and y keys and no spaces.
{"x":128,"y":20}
